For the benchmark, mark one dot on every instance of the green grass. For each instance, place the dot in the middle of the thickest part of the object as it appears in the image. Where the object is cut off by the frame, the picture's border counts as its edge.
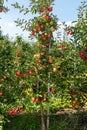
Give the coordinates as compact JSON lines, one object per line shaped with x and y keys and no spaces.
{"x":57,"y":122}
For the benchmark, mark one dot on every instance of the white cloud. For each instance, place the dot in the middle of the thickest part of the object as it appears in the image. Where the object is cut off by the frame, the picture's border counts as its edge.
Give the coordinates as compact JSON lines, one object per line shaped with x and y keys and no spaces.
{"x":12,"y":30}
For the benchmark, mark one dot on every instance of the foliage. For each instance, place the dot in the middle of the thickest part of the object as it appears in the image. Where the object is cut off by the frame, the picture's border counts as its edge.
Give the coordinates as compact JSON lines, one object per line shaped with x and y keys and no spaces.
{"x":32,"y":76}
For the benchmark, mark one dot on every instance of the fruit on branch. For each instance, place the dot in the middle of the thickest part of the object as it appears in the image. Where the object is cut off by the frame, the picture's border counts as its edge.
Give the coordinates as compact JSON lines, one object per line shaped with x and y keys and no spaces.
{"x":35,"y":99}
{"x":30,"y":72}
{"x":32,"y":33}
{"x":1,"y":93}
{"x":15,"y":111}
{"x":18,"y":73}
{"x":72,"y":92}
{"x":49,"y":9}
{"x":41,"y":10}
{"x":43,"y":46}
{"x":1,"y":9}
{"x":52,"y":90}
{"x":49,"y":35}
{"x":42,"y":26}
{"x":69,"y":32}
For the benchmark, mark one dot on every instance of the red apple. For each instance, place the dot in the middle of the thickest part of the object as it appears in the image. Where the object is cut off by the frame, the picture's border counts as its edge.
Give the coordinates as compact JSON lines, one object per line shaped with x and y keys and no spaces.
{"x":30,"y":72}
{"x":48,"y":18}
{"x":35,"y":30}
{"x":44,"y":38}
{"x":40,"y":61}
{"x":49,"y":35}
{"x":32,"y":33}
{"x":37,"y":100}
{"x":52,"y":90}
{"x":1,"y":93}
{"x":72,"y":92}
{"x":43,"y":46}
{"x":10,"y":112}
{"x":49,"y":9}
{"x":69,"y":32}
{"x":19,"y":109}
{"x":43,"y":35}
{"x":42,"y":26}
{"x":1,"y":10}
{"x":41,"y":10}
{"x":18,"y":73}
{"x":15,"y":111}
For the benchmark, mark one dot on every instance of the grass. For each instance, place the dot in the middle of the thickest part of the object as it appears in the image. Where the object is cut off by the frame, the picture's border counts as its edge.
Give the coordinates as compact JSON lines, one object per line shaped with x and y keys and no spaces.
{"x":76,"y":121}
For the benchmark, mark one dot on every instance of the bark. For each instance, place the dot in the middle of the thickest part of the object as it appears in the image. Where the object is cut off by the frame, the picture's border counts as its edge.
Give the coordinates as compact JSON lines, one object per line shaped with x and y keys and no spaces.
{"x":42,"y":117}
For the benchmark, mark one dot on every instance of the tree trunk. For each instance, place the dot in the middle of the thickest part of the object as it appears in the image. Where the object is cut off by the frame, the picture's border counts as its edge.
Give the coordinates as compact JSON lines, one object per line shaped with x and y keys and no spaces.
{"x":42,"y":117}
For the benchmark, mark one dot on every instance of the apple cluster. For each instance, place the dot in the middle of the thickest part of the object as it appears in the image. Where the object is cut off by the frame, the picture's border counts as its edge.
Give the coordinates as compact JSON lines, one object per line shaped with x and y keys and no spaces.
{"x":69,"y":32}
{"x":15,"y":111}
{"x":47,"y":9}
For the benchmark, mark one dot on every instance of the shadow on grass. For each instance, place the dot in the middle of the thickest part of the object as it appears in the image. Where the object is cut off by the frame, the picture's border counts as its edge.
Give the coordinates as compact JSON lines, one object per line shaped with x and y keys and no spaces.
{"x":62,"y":121}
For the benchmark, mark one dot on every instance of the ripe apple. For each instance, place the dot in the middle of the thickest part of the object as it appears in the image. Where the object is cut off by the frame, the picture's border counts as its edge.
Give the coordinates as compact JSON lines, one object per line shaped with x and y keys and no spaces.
{"x":35,"y":30}
{"x":1,"y":10}
{"x":40,"y":61}
{"x":48,"y":18}
{"x":15,"y":111}
{"x":1,"y":93}
{"x":42,"y":26}
{"x":37,"y":100}
{"x":19,"y":109}
{"x":44,"y":38}
{"x":69,"y":32}
{"x":43,"y":46}
{"x":52,"y":90}
{"x":10,"y":112}
{"x":32,"y":33}
{"x":18,"y":73}
{"x":49,"y":9}
{"x":30,"y":72}
{"x":41,"y":10}
{"x":49,"y":35}
{"x":72,"y":92}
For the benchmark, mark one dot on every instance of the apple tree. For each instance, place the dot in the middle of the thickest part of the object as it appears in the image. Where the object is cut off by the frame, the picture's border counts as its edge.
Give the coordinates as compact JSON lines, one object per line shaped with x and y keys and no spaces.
{"x":79,"y":42}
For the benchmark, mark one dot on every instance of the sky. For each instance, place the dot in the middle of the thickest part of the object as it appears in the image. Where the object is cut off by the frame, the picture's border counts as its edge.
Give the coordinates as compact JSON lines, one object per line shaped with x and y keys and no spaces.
{"x":65,"y":10}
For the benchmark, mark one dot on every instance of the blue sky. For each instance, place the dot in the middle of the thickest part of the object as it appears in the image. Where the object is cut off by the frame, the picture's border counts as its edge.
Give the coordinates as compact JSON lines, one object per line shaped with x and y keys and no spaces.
{"x":66,"y":10}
